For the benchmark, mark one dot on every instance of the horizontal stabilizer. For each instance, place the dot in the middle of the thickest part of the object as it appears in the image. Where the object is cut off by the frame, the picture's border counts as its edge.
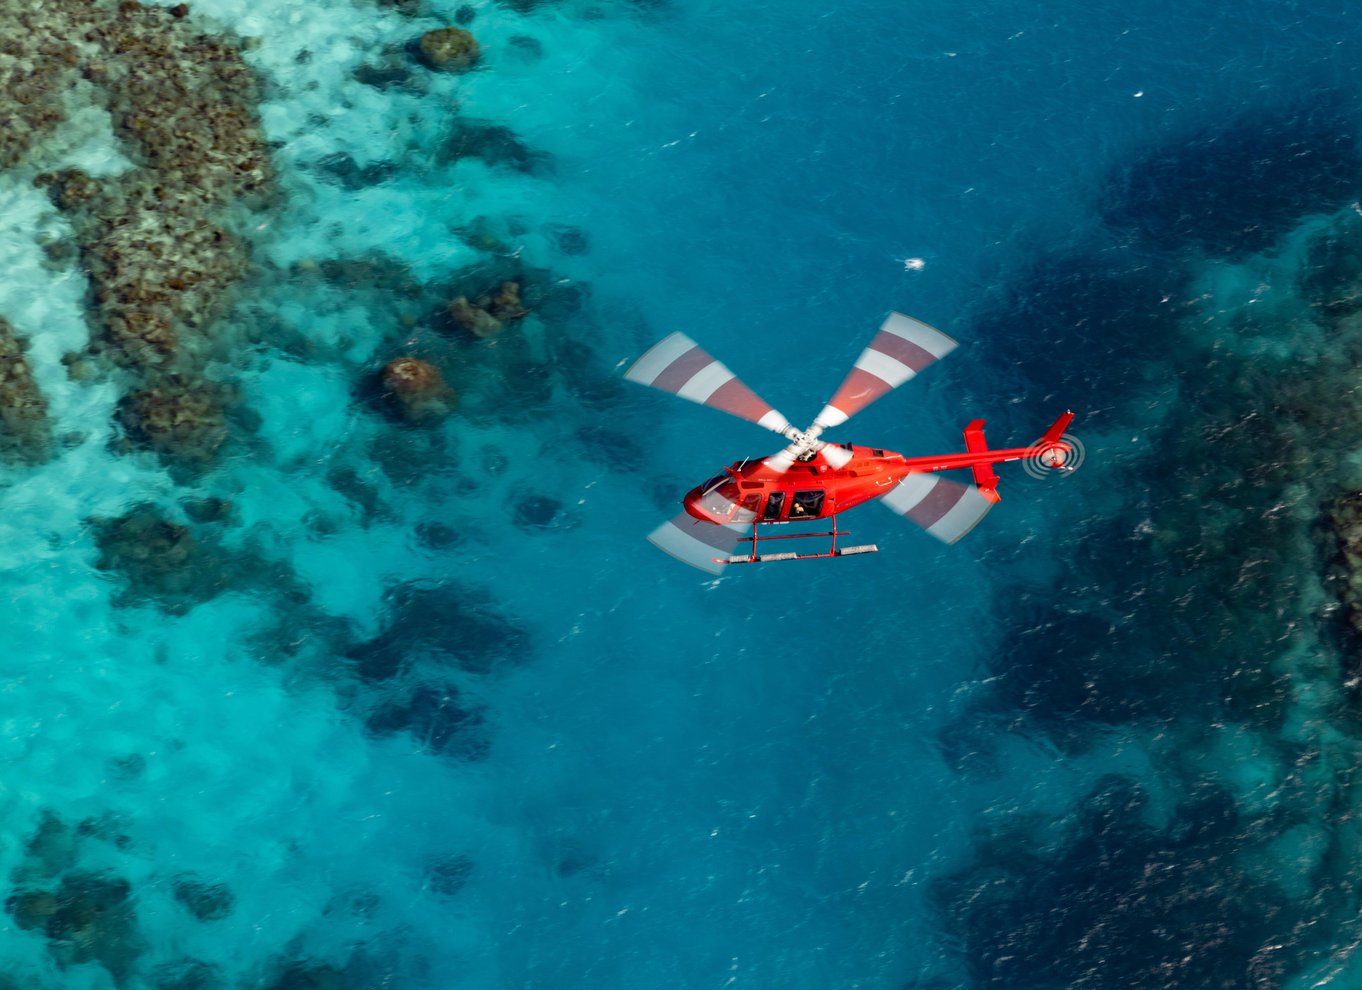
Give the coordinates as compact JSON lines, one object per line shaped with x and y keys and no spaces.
{"x":985,"y":478}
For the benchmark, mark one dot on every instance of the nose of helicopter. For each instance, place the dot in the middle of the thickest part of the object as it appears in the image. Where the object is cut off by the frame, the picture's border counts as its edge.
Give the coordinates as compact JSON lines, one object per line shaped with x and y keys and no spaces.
{"x":696,"y":504}
{"x":716,"y":501}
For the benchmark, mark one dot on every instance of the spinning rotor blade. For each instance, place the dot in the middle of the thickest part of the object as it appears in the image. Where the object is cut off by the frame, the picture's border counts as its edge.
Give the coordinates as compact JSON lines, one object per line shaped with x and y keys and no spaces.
{"x":678,"y":365}
{"x":902,"y":348}
{"x":946,"y":509}
{"x":697,"y":543}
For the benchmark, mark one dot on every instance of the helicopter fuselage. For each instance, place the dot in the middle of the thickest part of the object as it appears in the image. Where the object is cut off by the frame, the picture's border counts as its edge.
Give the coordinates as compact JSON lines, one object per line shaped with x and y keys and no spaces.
{"x":751,"y":491}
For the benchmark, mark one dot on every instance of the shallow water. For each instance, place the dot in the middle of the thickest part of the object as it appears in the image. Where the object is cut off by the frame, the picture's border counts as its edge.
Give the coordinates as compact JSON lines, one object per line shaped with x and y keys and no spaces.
{"x":433,"y":713}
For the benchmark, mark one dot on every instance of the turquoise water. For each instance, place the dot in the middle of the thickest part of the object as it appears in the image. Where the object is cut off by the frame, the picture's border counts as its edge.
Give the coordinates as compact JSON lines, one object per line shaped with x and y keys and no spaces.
{"x":439,"y":717}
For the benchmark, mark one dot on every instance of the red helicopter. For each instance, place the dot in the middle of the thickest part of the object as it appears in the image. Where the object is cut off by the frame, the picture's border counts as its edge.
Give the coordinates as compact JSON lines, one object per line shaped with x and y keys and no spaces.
{"x":813,"y":479}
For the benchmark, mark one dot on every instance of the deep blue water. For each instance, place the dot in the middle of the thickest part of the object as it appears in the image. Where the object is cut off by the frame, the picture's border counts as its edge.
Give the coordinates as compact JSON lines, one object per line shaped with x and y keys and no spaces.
{"x":1106,"y":741}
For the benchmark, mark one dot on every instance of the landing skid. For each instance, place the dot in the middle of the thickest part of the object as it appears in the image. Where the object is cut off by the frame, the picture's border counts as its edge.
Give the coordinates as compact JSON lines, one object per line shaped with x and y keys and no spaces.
{"x":765,"y":558}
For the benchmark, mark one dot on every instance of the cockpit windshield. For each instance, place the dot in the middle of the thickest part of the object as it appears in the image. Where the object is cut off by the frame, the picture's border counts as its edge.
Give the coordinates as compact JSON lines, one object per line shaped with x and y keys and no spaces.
{"x":720,"y":499}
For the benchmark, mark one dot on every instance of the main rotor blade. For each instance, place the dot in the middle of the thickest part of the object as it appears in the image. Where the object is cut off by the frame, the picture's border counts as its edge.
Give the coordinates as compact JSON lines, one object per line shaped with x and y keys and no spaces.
{"x":903,"y":347}
{"x":946,"y":509}
{"x":697,"y":543}
{"x":678,"y":365}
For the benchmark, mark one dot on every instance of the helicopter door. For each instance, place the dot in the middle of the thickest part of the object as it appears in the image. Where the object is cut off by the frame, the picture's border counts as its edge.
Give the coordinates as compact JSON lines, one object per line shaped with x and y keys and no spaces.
{"x":774,"y":503}
{"x":807,"y":505}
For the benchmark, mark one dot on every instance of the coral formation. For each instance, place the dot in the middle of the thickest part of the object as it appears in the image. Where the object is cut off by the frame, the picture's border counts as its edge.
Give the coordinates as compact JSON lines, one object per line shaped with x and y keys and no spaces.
{"x":488,"y":314}
{"x":25,"y":433}
{"x":159,"y":559}
{"x":179,"y":417}
{"x":416,"y":390}
{"x":448,"y":49}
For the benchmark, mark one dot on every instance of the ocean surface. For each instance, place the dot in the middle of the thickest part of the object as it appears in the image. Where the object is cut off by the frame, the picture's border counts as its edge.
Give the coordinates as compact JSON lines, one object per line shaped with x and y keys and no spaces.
{"x":364,"y":703}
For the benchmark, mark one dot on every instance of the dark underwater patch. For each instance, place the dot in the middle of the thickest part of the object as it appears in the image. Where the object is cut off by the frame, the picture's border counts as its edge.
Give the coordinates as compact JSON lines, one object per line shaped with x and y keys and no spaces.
{"x":438,"y":719}
{"x":1080,"y":330}
{"x":445,"y":625}
{"x":1234,"y":188}
{"x":1103,"y":899}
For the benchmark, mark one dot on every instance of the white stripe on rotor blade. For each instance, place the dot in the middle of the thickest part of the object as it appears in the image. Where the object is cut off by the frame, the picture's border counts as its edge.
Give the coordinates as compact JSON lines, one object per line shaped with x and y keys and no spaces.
{"x":885,"y":368}
{"x":674,"y":540}
{"x":705,"y":382}
{"x":781,"y":462}
{"x":838,"y":457}
{"x":962,"y":517}
{"x":659,"y":358}
{"x":930,"y":339}
{"x":774,"y":421}
{"x":831,"y":416}
{"x":909,"y":492}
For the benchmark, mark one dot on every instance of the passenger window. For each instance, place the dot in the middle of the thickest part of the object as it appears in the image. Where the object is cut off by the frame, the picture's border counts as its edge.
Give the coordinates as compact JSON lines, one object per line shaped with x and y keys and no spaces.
{"x":806,"y":505}
{"x":774,"y":501}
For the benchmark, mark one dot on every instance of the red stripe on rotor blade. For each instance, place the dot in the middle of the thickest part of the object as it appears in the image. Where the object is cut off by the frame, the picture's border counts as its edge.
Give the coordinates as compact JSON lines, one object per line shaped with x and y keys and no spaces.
{"x":943,"y":497}
{"x":736,"y":398}
{"x":902,"y":350}
{"x":859,"y":390}
{"x":674,"y":377}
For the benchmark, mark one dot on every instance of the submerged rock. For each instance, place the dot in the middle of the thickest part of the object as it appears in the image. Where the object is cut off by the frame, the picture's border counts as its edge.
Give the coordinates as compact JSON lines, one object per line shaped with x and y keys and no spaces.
{"x":448,"y":49}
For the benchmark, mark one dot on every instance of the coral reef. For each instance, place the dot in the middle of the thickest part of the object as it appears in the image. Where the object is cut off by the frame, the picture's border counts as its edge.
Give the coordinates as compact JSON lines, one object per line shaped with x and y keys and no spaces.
{"x":33,"y":80}
{"x":25,"y":432}
{"x":157,"y":241}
